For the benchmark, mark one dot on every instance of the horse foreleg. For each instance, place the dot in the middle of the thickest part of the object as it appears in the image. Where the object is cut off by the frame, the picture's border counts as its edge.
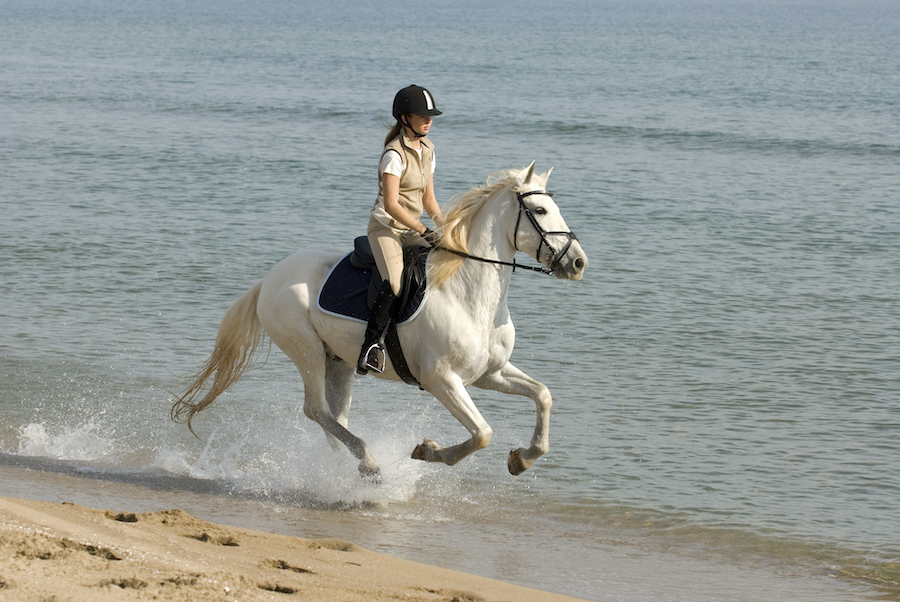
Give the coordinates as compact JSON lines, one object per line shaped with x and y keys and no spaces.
{"x":454,"y":397}
{"x":510,"y":379}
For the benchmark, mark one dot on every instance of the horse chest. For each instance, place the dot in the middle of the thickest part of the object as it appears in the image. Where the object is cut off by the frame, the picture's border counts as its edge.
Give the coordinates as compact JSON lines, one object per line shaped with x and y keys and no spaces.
{"x":501,"y":342}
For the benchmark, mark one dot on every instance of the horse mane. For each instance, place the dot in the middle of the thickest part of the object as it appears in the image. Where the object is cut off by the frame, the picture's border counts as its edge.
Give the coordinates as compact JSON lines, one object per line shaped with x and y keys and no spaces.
{"x":458,"y":218}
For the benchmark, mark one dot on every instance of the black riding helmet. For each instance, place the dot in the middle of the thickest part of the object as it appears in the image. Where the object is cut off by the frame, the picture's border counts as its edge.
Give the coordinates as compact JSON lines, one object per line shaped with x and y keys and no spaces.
{"x":416,"y":100}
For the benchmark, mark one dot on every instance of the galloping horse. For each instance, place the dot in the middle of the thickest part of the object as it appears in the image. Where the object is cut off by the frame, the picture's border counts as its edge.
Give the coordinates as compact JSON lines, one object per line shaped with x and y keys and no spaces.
{"x":462,"y":336}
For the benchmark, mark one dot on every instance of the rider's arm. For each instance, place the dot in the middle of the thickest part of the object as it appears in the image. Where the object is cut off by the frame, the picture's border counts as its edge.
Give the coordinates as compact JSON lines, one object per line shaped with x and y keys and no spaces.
{"x":390,"y":187}
{"x":431,"y":204}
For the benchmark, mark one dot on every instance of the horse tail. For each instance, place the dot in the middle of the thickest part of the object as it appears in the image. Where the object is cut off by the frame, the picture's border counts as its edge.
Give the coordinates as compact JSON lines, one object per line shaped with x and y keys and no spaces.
{"x":236,"y":344}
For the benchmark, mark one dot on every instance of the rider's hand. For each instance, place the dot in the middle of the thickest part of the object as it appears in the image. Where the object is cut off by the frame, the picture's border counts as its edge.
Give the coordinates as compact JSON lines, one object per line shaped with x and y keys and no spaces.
{"x":431,"y":237}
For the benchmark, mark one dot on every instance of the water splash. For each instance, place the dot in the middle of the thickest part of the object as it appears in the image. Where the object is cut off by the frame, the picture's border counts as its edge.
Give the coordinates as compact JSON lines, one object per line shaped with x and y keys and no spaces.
{"x":78,"y":444}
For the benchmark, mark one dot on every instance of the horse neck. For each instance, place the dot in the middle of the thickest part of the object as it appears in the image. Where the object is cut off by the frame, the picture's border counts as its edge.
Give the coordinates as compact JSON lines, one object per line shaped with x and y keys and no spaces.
{"x":490,"y":233}
{"x":483,"y":284}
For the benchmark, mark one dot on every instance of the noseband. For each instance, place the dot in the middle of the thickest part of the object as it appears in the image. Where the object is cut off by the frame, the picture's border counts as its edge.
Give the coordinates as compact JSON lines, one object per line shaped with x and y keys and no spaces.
{"x":555,"y":256}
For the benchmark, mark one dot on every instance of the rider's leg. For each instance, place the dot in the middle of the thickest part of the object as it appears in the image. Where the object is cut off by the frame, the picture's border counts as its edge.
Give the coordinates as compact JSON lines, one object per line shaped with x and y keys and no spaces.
{"x":387,"y":247}
{"x":371,"y":356}
{"x":388,"y":252}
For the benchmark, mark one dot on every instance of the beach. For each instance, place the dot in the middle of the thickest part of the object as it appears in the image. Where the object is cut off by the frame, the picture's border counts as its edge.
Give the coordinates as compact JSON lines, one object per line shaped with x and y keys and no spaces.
{"x":63,"y":551}
{"x":71,"y":536}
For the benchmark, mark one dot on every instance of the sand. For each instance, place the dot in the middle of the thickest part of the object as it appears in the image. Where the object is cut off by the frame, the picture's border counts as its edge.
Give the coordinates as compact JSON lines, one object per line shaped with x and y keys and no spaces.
{"x":65,"y":552}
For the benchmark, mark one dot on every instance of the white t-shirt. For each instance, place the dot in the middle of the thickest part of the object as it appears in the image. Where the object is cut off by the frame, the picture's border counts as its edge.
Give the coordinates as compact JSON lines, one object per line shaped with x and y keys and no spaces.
{"x":392,"y":163}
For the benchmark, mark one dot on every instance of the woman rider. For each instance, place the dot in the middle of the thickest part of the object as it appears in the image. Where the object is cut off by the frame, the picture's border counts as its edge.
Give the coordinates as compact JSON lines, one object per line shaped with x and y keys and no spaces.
{"x":405,"y":190}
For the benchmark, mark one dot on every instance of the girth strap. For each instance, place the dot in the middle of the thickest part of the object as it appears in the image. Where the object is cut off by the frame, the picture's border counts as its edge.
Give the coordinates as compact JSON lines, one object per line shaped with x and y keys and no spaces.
{"x":413,"y":271}
{"x":392,"y":346}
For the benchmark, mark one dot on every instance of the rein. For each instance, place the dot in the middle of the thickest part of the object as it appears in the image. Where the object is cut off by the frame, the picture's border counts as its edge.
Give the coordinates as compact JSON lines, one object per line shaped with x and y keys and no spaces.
{"x":556,"y":257}
{"x":513,"y":264}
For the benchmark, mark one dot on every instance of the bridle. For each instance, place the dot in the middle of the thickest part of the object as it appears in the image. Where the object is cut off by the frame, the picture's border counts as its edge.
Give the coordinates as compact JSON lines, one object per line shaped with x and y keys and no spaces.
{"x":570,"y":236}
{"x":556,"y":257}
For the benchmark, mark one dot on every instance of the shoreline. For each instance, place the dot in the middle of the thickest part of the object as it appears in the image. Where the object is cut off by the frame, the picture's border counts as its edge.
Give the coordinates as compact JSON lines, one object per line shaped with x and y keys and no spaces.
{"x":474,"y":560}
{"x":77,"y":553}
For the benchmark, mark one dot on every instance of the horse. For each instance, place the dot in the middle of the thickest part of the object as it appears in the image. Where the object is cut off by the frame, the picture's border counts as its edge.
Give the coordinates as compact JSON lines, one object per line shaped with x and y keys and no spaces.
{"x":462,"y":336}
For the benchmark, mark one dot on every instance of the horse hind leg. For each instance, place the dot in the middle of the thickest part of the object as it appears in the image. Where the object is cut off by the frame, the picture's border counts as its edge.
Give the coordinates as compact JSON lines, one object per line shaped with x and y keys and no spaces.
{"x":327,"y":385}
{"x":317,"y":408}
{"x":338,"y":393}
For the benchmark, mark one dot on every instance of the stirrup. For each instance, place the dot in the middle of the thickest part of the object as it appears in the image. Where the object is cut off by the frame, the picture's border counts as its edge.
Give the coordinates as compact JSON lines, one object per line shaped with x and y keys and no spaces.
{"x":375,"y":359}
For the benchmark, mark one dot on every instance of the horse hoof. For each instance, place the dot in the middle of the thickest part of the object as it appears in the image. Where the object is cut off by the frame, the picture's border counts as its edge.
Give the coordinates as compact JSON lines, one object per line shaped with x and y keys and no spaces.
{"x":422,"y":450}
{"x":373,"y":475}
{"x":515,"y":463}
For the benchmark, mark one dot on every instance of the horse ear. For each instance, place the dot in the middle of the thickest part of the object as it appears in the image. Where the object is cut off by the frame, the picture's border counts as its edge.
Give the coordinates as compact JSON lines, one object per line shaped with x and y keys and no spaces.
{"x":546,"y":176}
{"x":525,"y":176}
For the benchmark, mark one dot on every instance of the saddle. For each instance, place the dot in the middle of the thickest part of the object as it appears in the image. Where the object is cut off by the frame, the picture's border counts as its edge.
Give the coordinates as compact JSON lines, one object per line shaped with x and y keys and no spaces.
{"x":353,"y":284}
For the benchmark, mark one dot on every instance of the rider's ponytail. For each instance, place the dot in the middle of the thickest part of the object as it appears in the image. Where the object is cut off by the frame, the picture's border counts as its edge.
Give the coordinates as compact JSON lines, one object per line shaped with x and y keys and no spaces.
{"x":393,"y":133}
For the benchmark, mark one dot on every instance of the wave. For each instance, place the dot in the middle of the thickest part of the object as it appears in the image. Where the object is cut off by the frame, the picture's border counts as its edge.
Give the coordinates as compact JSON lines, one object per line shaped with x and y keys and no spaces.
{"x":719,"y":141}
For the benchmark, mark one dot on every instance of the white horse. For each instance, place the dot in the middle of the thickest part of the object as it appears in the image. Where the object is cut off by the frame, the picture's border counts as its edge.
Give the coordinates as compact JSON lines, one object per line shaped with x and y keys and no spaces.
{"x":462,"y":336}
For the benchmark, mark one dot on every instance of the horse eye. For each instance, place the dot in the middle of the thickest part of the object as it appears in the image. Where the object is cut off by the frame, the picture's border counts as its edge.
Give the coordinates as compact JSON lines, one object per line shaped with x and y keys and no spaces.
{"x":540,"y":211}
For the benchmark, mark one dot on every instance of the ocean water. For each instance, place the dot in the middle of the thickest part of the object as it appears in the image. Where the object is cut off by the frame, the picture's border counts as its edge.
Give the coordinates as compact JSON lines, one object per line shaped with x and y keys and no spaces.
{"x":726,"y":377}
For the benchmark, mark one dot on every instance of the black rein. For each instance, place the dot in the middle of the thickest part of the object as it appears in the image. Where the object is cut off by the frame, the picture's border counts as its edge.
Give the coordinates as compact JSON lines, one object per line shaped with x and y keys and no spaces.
{"x":543,"y":233}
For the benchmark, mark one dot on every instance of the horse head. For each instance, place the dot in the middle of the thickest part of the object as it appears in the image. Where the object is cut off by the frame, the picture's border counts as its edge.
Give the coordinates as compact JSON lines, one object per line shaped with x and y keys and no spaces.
{"x":541,"y":231}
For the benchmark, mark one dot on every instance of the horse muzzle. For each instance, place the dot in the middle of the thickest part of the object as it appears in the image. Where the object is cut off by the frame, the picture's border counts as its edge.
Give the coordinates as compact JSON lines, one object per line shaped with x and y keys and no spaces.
{"x":570,"y":263}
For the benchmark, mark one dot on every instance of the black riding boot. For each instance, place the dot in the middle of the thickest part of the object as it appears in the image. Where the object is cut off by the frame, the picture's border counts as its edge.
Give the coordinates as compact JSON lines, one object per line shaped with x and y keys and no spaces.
{"x":371,"y":357}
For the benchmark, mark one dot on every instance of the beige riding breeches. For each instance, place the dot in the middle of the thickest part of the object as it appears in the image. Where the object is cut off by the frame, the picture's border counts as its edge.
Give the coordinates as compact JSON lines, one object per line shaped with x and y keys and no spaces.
{"x":387,"y":247}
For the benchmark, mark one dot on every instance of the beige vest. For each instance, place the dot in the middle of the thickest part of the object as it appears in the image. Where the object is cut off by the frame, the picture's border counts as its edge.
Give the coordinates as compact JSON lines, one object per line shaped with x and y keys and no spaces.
{"x":413,"y":181}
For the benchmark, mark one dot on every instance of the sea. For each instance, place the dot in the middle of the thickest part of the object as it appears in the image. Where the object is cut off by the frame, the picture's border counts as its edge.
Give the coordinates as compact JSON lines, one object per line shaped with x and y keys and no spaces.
{"x":726,"y":377}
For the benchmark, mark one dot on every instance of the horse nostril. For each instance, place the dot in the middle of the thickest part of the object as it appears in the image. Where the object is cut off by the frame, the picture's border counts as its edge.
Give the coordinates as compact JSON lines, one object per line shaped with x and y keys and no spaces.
{"x":579,"y":263}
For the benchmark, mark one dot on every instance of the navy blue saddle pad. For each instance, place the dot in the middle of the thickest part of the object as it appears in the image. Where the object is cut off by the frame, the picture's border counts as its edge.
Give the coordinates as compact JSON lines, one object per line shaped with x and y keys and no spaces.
{"x":346,"y":292}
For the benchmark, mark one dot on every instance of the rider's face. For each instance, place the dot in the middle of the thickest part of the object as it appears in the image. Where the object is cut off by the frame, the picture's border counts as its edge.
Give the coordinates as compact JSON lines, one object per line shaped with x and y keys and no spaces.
{"x":419,"y":123}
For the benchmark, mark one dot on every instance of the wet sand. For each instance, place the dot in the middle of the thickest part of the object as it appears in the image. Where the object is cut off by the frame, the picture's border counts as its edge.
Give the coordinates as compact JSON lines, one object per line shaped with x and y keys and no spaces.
{"x":69,"y":552}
